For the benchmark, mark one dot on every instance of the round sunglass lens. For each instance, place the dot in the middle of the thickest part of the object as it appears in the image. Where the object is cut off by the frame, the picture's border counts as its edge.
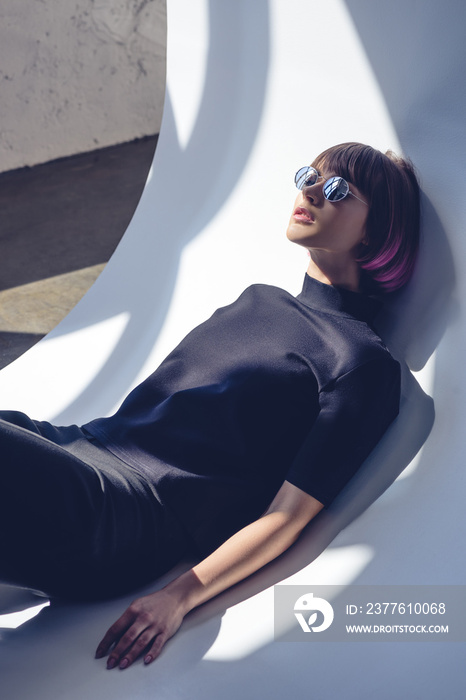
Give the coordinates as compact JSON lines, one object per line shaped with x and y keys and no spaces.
{"x":305,"y":177}
{"x":335,"y":189}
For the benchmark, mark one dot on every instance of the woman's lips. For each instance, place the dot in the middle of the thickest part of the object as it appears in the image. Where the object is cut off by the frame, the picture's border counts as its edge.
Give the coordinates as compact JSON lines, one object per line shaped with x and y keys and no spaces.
{"x":301,"y":214}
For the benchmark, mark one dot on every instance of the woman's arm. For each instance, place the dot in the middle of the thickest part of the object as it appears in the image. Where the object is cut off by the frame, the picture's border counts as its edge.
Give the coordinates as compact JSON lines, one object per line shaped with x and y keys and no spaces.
{"x":150,"y":621}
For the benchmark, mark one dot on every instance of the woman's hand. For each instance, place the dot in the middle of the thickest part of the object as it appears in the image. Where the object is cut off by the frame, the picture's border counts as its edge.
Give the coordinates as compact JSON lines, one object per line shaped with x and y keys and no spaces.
{"x":150,"y":621}
{"x":143,"y":628}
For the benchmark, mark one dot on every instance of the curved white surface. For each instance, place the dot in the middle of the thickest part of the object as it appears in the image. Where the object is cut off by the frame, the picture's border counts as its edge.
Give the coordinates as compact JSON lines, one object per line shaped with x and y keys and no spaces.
{"x":256,"y":89}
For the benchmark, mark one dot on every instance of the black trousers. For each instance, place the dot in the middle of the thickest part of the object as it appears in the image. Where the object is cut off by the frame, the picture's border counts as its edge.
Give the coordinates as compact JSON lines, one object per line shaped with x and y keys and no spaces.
{"x":76,"y":521}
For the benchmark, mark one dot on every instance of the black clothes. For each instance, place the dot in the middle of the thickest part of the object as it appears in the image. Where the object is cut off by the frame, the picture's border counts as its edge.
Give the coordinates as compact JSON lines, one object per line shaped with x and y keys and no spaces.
{"x":270,"y":388}
{"x":75,"y":521}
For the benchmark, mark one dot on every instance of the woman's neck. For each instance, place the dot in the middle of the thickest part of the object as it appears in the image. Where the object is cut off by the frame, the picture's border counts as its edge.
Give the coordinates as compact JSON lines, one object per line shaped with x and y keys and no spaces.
{"x":343,"y":273}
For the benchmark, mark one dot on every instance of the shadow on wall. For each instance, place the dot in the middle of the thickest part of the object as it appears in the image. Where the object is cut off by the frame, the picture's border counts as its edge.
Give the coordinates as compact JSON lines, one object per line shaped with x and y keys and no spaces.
{"x":416,"y":319}
{"x":425,"y":98}
{"x":221,"y":140}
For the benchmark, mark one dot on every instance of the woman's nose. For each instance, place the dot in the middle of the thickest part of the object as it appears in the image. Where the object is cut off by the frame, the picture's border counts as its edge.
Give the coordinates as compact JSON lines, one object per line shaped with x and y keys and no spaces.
{"x":313,"y":192}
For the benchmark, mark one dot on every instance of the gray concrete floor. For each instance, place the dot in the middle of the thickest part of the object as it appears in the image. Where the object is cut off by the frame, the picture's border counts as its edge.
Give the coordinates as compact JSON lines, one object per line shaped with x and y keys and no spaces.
{"x":60,"y":223}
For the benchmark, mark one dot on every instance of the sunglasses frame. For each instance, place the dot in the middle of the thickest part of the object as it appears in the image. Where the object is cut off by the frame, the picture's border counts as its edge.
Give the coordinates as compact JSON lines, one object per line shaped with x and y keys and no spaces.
{"x":310,"y":168}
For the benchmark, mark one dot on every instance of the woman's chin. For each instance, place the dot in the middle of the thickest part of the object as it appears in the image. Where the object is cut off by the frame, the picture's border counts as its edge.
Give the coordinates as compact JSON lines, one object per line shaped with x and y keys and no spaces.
{"x":299,"y":237}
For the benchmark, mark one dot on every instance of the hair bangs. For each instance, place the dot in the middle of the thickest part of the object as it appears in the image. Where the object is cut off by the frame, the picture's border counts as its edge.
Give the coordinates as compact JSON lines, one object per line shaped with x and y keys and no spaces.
{"x":352,"y":161}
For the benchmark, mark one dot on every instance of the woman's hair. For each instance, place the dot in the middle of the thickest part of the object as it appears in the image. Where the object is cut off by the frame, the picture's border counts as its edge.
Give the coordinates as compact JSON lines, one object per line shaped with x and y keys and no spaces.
{"x":390,"y":186}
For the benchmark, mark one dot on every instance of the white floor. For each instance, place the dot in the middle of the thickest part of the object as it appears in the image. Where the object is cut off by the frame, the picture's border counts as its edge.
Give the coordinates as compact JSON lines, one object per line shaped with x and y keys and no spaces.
{"x":255,"y":90}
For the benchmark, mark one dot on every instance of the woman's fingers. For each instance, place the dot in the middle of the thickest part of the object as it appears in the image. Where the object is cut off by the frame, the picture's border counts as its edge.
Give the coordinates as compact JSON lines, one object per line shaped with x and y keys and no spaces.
{"x":114,"y":633}
{"x":146,"y":625}
{"x":130,"y":648}
{"x":156,"y":648}
{"x":132,"y":643}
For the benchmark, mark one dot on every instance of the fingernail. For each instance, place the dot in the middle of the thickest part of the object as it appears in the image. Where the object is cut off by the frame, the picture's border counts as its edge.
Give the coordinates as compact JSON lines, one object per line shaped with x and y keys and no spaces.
{"x":148,"y":659}
{"x":111,"y":663}
{"x":124,"y":663}
{"x":99,"y":653}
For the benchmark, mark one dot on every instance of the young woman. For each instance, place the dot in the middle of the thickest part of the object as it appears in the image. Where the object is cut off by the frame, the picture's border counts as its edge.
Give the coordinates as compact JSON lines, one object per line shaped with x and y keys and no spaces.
{"x":251,"y":426}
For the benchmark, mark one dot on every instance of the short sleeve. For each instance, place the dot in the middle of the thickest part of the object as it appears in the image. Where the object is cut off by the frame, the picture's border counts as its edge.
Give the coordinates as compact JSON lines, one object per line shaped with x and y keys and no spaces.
{"x":355,"y":411}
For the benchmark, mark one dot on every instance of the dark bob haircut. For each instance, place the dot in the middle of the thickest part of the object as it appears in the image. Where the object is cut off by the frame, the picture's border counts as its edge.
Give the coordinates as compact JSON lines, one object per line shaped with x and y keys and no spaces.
{"x":390,"y":186}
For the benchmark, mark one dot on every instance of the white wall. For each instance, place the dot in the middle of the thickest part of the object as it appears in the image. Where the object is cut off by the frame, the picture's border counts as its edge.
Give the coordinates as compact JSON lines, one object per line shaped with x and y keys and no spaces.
{"x":78,"y":75}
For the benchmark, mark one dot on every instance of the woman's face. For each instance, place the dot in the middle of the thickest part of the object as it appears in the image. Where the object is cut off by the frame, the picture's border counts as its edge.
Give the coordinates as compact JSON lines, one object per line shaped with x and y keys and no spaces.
{"x":334,"y":227}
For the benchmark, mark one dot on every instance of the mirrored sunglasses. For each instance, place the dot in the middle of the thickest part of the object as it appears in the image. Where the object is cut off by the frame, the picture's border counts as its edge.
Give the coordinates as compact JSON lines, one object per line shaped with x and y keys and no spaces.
{"x":334,"y":189}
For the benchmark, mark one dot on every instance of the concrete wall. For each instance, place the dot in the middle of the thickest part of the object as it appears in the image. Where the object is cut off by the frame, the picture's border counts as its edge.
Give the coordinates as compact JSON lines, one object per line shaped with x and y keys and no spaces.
{"x":78,"y":75}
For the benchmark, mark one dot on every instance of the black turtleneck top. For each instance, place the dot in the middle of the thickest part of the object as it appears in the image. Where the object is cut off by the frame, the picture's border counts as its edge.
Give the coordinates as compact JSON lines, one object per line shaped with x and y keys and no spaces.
{"x":270,"y":388}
